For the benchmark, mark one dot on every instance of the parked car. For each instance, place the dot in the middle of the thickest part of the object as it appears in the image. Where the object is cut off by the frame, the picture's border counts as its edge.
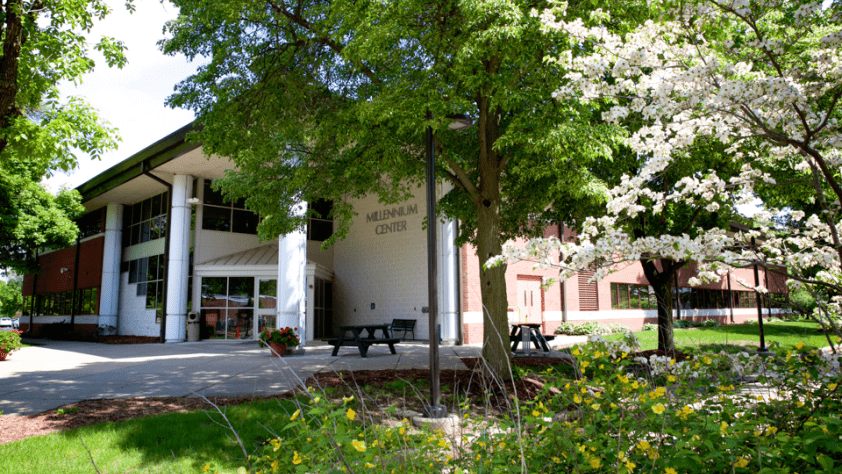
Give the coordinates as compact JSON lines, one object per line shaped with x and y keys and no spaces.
{"x":6,"y":324}
{"x":16,"y":323}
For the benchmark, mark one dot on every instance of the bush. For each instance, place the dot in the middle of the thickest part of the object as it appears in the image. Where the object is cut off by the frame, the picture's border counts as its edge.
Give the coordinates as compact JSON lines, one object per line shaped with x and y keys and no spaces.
{"x":590,"y":328}
{"x":649,"y":327}
{"x":9,"y":341}
{"x":625,"y":414}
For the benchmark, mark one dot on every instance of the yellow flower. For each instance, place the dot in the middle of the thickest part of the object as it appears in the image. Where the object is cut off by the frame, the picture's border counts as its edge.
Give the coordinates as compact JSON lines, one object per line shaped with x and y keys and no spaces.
{"x":658,"y":409}
{"x":724,"y":427}
{"x":369,"y":465}
{"x":351,"y":414}
{"x":741,"y":462}
{"x":671,"y":378}
{"x":630,"y":465}
{"x":275,"y":465}
{"x":594,"y":462}
{"x":644,"y":445}
{"x":536,"y":413}
{"x":577,"y":398}
{"x":347,"y":399}
{"x":358,"y":445}
{"x":670,"y":470}
{"x":295,"y":415}
{"x":585,"y":364}
{"x":623,"y":378}
{"x":635,"y":384}
{"x":576,"y":352}
{"x":832,"y":386}
{"x":595,"y":406}
{"x":799,"y":346}
{"x":206,"y":468}
{"x":296,"y":459}
{"x":771,"y":430}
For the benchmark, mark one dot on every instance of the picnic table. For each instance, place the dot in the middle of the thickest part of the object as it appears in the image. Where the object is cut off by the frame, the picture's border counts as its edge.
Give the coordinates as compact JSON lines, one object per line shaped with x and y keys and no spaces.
{"x":362,"y":337}
{"x":524,"y":333}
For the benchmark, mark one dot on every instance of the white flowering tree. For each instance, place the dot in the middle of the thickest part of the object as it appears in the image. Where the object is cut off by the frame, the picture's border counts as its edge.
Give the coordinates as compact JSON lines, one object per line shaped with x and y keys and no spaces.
{"x":760,"y":77}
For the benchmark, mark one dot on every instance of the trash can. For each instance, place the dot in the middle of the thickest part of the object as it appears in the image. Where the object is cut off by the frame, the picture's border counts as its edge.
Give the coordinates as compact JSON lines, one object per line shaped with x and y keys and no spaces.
{"x":193,"y":326}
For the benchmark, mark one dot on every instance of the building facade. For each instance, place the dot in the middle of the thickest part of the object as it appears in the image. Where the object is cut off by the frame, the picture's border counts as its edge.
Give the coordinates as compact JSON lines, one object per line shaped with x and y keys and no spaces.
{"x":158,"y":242}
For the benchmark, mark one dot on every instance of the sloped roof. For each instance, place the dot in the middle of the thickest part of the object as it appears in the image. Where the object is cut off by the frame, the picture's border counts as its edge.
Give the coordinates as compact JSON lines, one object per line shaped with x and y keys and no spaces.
{"x":260,"y":256}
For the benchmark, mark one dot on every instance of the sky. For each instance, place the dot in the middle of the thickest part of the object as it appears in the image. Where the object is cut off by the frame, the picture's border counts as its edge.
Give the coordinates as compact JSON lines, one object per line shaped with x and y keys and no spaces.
{"x":131,"y":99}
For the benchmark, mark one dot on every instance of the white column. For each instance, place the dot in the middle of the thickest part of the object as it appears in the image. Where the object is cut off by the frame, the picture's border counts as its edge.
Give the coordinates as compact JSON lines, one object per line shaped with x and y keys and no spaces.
{"x":292,"y":258}
{"x":109,"y":300}
{"x":179,"y":259}
{"x":448,"y":282}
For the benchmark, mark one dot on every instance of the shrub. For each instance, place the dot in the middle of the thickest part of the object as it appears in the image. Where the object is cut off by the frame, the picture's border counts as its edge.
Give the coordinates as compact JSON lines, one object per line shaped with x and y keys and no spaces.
{"x":590,"y":327}
{"x":649,"y":327}
{"x":9,"y":341}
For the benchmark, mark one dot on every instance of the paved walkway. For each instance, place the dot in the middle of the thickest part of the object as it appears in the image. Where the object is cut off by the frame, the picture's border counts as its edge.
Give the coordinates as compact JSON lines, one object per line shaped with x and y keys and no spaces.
{"x":55,"y":373}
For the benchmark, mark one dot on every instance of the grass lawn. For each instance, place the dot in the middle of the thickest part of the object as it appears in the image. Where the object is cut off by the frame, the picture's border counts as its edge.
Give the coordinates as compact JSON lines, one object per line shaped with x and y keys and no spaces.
{"x":176,"y":442}
{"x":787,"y":334}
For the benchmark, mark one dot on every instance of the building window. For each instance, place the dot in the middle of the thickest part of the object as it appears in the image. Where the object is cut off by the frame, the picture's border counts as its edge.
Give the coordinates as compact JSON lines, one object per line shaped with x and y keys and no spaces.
{"x":630,"y":296}
{"x":90,"y":224}
{"x":146,"y":220}
{"x":320,"y":222}
{"x":61,"y":304}
{"x":226,"y":216}
{"x":148,"y":274}
{"x":227,"y":307}
{"x":702,"y":298}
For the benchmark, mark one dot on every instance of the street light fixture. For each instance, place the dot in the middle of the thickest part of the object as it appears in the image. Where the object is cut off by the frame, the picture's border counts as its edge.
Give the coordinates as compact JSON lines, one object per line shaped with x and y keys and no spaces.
{"x":435,"y":409}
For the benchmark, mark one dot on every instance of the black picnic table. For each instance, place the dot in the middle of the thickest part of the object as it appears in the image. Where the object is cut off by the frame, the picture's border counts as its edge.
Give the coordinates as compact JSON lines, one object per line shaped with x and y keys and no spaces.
{"x":524,"y":333}
{"x":362,"y":336}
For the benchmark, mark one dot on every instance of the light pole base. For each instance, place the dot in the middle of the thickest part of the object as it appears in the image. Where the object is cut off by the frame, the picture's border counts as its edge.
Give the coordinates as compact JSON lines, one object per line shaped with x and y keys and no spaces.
{"x":431,"y":411}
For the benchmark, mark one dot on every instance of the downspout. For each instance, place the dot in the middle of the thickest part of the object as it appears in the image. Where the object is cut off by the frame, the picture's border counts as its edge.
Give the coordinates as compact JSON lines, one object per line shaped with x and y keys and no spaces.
{"x":34,"y":304}
{"x":459,"y":308}
{"x":677,"y":301}
{"x":145,"y":171}
{"x":73,"y":297}
{"x":730,"y":298}
{"x":563,"y":282}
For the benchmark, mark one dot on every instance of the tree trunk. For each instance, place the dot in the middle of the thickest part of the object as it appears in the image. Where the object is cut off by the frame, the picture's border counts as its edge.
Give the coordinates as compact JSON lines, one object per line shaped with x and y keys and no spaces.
{"x":12,"y":41}
{"x":661,"y":281}
{"x":496,"y":350}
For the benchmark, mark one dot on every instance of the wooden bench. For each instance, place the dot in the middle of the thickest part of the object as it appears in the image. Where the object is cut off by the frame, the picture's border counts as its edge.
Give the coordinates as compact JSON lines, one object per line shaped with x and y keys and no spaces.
{"x":363,"y":341}
{"x":405,"y":325}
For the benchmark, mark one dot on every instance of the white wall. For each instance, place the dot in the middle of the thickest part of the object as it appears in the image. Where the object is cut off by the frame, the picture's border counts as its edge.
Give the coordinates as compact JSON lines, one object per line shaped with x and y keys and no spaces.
{"x":135,"y":319}
{"x":213,"y":244}
{"x":389,"y":270}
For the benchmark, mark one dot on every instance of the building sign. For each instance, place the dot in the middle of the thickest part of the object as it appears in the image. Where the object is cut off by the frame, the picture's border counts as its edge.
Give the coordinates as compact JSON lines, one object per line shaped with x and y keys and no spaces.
{"x":385,"y":214}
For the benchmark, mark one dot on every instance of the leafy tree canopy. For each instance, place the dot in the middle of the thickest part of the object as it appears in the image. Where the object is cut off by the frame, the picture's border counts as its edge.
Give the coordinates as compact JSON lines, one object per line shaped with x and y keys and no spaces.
{"x":328,"y":99}
{"x":44,"y":43}
{"x":11,"y":297}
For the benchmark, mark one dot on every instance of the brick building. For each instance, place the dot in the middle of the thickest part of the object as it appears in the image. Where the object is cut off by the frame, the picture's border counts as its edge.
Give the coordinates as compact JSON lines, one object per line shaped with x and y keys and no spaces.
{"x":158,"y":242}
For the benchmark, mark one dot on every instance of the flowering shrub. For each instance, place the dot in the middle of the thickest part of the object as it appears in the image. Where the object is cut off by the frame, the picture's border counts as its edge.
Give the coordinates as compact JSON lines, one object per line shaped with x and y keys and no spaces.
{"x":10,"y":341}
{"x":590,"y":327}
{"x":706,"y":414}
{"x":285,"y":336}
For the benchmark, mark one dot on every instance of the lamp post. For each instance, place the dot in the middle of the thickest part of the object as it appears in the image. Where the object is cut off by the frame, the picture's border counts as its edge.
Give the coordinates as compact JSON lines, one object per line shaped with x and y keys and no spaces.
{"x":435,"y":409}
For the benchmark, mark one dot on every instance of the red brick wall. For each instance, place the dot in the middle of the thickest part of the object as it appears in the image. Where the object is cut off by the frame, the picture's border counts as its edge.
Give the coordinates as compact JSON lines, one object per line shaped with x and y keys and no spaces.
{"x":52,"y":280}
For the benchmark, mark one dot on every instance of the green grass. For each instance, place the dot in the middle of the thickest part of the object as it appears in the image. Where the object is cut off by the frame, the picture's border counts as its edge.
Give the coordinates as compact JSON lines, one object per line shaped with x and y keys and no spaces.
{"x":176,"y":442}
{"x":787,"y":334}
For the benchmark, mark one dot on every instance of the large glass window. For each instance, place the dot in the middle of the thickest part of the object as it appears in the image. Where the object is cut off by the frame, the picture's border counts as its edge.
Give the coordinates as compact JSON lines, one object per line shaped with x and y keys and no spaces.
{"x":227,"y":306}
{"x":90,"y":224}
{"x":148,"y":274}
{"x":630,"y":296}
{"x":61,"y":304}
{"x":320,"y":222}
{"x":146,"y":220}
{"x":226,"y":216}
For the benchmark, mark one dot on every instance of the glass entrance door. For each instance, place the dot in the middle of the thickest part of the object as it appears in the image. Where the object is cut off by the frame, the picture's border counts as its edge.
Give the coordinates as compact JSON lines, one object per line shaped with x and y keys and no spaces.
{"x":267,"y":304}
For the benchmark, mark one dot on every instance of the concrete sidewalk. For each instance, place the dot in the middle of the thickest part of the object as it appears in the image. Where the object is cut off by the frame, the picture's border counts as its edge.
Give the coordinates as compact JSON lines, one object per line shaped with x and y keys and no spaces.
{"x":54,"y":373}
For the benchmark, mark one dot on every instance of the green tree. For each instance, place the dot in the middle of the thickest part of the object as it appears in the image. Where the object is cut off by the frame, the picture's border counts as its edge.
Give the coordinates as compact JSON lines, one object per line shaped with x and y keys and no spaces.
{"x":328,"y":99}
{"x":11,"y":297}
{"x":43,"y":44}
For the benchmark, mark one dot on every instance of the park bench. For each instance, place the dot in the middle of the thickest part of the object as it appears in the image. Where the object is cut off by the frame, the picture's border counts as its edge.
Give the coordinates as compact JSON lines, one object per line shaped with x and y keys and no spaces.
{"x":362,"y":337}
{"x":405,"y":325}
